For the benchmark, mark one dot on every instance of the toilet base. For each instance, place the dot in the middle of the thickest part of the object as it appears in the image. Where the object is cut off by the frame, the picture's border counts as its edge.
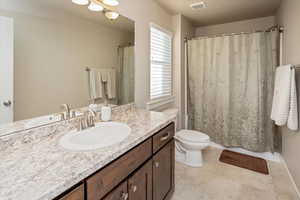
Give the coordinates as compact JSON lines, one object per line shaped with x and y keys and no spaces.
{"x":190,"y":158}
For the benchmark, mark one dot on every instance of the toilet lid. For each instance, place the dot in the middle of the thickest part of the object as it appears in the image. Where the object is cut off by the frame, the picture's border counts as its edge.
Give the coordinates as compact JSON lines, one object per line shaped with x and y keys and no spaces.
{"x":192,"y":136}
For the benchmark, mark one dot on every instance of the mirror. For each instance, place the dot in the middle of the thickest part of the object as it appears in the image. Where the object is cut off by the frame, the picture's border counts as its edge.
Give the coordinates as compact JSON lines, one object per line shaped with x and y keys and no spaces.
{"x":55,"y":52}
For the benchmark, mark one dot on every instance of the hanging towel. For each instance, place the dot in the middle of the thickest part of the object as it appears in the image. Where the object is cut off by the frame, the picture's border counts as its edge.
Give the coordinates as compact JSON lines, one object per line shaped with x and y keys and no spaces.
{"x":100,"y":84}
{"x":95,"y":84}
{"x":100,"y":81}
{"x":109,"y":78}
{"x":293,"y":112}
{"x":111,"y":84}
{"x":284,"y":107}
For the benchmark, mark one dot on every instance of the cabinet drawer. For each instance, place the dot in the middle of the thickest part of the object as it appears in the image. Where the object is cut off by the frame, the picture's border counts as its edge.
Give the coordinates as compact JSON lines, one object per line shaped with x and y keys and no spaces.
{"x":163,"y":137}
{"x":104,"y":181}
{"x":76,"y":194}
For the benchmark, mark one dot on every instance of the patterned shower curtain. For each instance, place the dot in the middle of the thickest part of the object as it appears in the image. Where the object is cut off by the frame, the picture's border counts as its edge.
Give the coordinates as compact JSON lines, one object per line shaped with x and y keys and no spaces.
{"x":231,"y":81}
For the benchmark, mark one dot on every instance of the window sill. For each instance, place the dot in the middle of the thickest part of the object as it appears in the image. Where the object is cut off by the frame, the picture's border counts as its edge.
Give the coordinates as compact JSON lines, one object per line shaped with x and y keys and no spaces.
{"x":156,"y":103}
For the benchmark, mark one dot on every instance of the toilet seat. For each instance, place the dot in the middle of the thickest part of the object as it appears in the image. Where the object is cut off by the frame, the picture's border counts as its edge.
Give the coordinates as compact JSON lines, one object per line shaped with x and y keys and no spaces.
{"x":192,"y":136}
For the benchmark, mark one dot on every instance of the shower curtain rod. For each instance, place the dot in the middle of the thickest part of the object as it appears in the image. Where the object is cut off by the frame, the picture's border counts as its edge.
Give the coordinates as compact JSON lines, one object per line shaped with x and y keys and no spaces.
{"x":271,"y":29}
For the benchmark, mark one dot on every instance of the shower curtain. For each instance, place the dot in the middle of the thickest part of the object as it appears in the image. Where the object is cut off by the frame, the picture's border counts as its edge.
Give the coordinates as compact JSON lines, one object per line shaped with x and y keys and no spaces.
{"x":230,"y":89}
{"x":126,"y":79}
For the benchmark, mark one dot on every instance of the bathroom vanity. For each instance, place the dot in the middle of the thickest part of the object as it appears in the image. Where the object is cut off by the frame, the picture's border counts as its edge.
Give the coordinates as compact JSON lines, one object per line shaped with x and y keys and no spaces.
{"x":82,"y":75}
{"x":145,"y":172}
{"x":35,"y":166}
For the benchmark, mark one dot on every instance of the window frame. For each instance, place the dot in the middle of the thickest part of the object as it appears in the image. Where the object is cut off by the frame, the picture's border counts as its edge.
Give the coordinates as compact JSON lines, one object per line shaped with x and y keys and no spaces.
{"x":160,"y":101}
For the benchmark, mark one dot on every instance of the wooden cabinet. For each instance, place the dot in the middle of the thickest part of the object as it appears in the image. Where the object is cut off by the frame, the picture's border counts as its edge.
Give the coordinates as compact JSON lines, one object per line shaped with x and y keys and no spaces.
{"x":163,"y":137}
{"x":76,"y":194}
{"x":163,"y":171}
{"x":105,"y":180}
{"x":120,"y":193}
{"x":136,"y":187}
{"x":146,"y":172}
{"x":140,"y":184}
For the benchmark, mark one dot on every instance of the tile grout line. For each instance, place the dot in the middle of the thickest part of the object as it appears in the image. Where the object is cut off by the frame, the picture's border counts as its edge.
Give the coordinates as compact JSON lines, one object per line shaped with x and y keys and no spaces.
{"x":290,"y":176}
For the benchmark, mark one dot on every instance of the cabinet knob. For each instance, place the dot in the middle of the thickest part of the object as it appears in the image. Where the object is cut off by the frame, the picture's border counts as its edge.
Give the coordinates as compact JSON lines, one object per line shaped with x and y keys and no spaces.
{"x":124,"y":196}
{"x":156,"y":164}
{"x":134,"y":188}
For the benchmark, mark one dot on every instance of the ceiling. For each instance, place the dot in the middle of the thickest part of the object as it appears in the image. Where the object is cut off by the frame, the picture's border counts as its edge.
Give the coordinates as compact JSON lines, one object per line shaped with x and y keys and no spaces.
{"x":221,"y":11}
{"x":64,"y":9}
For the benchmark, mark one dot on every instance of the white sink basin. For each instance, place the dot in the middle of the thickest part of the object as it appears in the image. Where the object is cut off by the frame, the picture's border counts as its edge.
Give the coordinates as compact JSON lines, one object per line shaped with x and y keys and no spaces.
{"x":104,"y":134}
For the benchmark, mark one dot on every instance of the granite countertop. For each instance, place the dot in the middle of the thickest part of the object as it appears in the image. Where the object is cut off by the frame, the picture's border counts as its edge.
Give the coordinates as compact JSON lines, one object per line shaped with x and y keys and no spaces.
{"x":38,"y":168}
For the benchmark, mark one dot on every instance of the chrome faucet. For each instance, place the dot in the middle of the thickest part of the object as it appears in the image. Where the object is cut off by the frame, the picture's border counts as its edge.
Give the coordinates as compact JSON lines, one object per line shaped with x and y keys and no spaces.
{"x":88,"y":120}
{"x":67,"y":111}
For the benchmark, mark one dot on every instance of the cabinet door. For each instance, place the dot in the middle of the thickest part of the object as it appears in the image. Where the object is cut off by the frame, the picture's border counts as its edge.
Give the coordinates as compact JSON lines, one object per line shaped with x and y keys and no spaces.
{"x":120,"y":193}
{"x":140,"y":184}
{"x":76,"y":194}
{"x":163,"y":172}
{"x":101,"y":183}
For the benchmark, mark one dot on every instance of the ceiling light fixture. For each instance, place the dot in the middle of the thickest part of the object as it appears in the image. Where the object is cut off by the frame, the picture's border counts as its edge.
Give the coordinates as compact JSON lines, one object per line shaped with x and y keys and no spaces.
{"x":106,"y":6}
{"x":198,"y":5}
{"x":95,"y":7}
{"x":81,"y":2}
{"x":112,"y":15}
{"x":111,"y":2}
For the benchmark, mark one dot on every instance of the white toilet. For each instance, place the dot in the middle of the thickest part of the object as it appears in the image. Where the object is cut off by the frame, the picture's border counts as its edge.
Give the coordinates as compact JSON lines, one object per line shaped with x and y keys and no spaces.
{"x":189,"y":146}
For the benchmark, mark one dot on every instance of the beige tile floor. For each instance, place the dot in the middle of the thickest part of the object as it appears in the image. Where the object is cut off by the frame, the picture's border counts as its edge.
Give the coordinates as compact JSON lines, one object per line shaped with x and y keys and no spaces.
{"x":220,"y":181}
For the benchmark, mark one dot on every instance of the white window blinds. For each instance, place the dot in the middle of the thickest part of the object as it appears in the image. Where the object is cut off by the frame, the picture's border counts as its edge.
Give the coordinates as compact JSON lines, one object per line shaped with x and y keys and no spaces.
{"x":161,"y":63}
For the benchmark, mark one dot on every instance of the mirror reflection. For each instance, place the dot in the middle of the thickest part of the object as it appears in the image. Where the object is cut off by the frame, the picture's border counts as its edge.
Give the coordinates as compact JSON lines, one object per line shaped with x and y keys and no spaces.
{"x":58,"y":52}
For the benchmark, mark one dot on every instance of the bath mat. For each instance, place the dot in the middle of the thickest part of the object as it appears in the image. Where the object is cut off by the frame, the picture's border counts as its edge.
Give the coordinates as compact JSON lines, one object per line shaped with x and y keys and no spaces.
{"x":244,"y":161}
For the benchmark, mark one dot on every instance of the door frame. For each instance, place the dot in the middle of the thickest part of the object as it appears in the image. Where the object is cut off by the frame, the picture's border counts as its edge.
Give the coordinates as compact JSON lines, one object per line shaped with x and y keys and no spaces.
{"x":6,"y":69}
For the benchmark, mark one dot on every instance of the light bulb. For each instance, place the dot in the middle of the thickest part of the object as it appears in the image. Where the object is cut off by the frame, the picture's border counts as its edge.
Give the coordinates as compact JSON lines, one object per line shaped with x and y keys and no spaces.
{"x":112,"y":15}
{"x":111,"y":2}
{"x":95,"y":7}
{"x":81,"y":2}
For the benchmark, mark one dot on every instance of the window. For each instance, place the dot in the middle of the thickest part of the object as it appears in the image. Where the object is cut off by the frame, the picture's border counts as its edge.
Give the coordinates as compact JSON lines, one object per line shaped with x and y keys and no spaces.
{"x":161,"y":63}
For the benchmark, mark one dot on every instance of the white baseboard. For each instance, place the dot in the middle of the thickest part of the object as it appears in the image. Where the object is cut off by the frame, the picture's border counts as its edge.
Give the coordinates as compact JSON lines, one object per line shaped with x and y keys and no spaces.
{"x":290,"y":176}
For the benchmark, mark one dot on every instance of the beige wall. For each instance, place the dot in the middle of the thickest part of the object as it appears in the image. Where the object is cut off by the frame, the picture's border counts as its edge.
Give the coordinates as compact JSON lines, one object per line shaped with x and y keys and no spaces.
{"x":182,"y":28}
{"x":237,"y":27}
{"x":288,"y":16}
{"x":50,"y":61}
{"x":143,"y":12}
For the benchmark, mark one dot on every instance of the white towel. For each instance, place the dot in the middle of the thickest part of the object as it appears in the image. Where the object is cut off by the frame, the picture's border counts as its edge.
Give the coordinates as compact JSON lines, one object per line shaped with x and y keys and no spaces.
{"x":100,"y":84}
{"x":284,"y":108}
{"x":95,"y":84}
{"x":102,"y":80}
{"x":293,"y":113}
{"x":111,"y":86}
{"x":108,"y":76}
